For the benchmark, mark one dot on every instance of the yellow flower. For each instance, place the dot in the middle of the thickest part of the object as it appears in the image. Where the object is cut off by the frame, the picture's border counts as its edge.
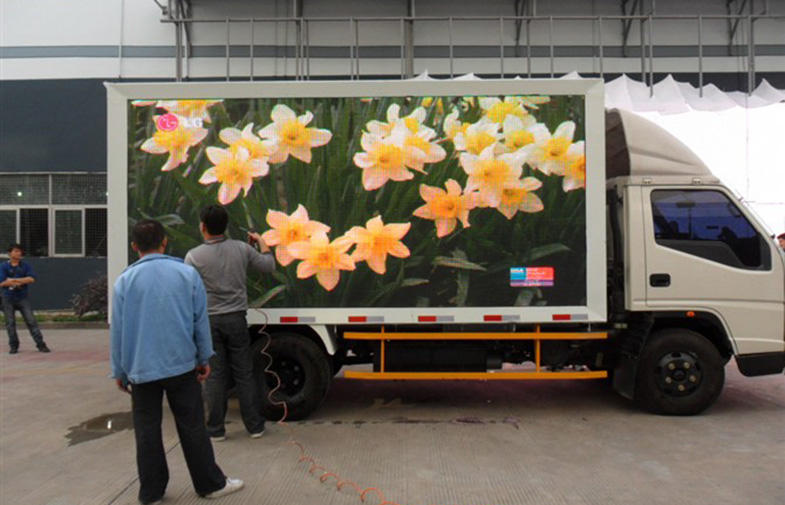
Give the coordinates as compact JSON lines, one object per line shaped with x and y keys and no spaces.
{"x":387,"y":158}
{"x":191,"y":109}
{"x":235,"y":170}
{"x":432,"y":152}
{"x":477,"y":137}
{"x":575,"y":169}
{"x":520,"y":133}
{"x":256,"y":148}
{"x":377,"y":240}
{"x":497,"y":110}
{"x":453,"y":126}
{"x":490,"y":174}
{"x":428,"y":101}
{"x":520,"y":197}
{"x":324,"y":258}
{"x":549,"y":154}
{"x":175,"y":142}
{"x":286,"y":230}
{"x":413,"y":121}
{"x":292,"y":136}
{"x":446,"y":208}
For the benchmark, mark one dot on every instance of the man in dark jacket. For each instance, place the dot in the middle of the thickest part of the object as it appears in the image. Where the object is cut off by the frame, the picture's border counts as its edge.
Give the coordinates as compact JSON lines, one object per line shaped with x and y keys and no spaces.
{"x":15,"y":276}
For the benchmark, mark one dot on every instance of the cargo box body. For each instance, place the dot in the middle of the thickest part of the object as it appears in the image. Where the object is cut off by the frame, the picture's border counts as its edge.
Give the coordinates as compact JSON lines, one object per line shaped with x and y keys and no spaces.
{"x":385,"y":202}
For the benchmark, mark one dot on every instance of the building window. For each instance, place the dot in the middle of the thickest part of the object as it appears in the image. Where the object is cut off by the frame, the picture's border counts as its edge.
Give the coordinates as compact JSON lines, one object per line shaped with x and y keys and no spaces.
{"x":54,"y":214}
{"x":7,"y":229}
{"x":95,"y":232}
{"x":34,"y":231}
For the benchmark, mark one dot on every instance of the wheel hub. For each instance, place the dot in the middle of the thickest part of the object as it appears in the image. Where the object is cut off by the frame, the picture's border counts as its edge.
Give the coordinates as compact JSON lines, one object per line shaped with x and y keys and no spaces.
{"x":678,"y":373}
{"x":291,"y":374}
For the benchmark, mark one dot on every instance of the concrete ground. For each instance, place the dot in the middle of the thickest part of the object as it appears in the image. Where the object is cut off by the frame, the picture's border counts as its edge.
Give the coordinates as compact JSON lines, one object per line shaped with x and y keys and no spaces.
{"x":65,"y":439}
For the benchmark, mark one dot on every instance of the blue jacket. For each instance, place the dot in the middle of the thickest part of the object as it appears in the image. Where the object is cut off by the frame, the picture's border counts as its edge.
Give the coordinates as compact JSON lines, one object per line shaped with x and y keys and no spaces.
{"x":159,"y":323}
{"x":8,"y":271}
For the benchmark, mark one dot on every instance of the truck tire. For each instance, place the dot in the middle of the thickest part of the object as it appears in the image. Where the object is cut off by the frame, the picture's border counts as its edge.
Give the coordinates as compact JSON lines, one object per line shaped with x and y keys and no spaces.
{"x":680,"y":372}
{"x":304,"y":370}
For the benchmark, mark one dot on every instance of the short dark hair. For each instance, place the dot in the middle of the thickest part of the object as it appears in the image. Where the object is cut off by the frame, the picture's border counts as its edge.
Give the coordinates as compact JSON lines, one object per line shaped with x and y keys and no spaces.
{"x":215,"y":219}
{"x":780,"y":236}
{"x":148,"y":235}
{"x":16,"y":246}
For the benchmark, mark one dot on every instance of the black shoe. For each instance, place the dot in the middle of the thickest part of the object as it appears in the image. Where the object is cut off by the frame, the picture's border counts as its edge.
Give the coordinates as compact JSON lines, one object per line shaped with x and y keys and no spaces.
{"x":13,"y":350}
{"x":44,"y":348}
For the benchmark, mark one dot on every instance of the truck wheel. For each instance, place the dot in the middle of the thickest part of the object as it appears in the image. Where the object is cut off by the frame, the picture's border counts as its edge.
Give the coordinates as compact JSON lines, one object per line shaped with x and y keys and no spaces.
{"x":304,"y":370}
{"x":679,"y":373}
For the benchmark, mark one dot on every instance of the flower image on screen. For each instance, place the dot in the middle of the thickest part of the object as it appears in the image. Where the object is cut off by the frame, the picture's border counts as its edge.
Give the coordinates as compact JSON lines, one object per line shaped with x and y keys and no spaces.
{"x":450,"y":201}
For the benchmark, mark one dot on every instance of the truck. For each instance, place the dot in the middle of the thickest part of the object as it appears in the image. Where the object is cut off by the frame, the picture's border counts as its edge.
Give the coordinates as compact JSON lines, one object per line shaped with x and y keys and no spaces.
{"x":509,"y":229}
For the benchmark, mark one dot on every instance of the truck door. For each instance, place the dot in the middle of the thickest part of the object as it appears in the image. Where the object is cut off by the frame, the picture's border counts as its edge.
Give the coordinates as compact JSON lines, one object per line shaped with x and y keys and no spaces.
{"x":703,"y":252}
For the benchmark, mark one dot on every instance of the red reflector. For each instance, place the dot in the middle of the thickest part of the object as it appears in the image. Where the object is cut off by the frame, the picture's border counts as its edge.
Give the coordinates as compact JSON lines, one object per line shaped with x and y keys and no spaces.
{"x":690,"y":314}
{"x":562,"y":317}
{"x":289,"y":319}
{"x":357,"y":319}
{"x":494,"y":317}
{"x":426,"y":319}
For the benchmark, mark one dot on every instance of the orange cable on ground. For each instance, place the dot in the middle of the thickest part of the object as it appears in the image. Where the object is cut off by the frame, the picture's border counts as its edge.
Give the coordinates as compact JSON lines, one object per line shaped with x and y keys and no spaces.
{"x":304,"y":457}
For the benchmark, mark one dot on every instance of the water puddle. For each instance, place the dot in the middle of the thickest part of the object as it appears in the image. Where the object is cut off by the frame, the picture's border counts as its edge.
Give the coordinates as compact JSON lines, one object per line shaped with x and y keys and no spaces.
{"x":98,"y":427}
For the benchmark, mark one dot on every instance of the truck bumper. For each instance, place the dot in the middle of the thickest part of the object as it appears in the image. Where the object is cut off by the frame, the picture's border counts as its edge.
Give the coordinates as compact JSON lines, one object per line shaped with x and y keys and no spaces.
{"x":763,"y":363}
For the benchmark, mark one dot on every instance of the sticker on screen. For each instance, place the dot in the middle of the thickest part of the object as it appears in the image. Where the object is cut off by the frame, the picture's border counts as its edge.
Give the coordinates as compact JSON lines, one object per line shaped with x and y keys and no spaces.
{"x":524,"y":277}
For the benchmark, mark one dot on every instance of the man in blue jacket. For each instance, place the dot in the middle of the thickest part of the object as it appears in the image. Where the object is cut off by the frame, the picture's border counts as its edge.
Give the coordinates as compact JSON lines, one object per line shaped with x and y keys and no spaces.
{"x":15,"y":276}
{"x":160,"y":343}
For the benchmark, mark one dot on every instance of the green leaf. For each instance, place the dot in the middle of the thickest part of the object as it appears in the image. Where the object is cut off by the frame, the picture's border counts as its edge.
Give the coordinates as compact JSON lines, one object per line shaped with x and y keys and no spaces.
{"x":269,"y":295}
{"x":170,"y":220}
{"x":543,"y":251}
{"x":413,"y":282}
{"x":463,"y":289}
{"x":525,"y":297}
{"x":444,"y":261}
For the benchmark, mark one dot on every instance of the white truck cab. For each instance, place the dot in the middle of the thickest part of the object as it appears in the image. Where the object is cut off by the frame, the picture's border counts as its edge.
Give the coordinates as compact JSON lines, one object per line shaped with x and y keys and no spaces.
{"x":697,"y":266}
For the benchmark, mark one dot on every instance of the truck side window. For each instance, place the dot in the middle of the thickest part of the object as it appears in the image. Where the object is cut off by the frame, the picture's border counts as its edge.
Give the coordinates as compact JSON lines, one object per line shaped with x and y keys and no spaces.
{"x":707,"y":224}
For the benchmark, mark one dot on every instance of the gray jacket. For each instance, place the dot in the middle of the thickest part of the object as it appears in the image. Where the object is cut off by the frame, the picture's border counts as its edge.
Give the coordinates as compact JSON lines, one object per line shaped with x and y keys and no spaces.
{"x":223,"y":264}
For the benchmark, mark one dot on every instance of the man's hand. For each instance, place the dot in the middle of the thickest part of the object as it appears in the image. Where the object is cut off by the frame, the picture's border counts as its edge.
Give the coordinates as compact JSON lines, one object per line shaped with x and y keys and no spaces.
{"x":202,"y":372}
{"x":123,"y":386}
{"x":258,"y":239}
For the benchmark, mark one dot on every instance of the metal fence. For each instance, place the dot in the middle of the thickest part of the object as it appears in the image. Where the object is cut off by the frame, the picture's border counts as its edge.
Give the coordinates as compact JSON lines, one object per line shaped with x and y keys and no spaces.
{"x":524,"y":47}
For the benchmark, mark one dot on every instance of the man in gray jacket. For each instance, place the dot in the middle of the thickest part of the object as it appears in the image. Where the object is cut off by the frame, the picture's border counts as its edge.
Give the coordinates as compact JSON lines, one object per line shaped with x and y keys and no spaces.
{"x":223,"y":264}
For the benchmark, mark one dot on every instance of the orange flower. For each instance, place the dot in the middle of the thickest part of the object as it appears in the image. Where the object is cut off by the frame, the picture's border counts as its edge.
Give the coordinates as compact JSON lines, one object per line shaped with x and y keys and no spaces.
{"x":324,"y":258}
{"x":235,"y":170}
{"x":191,"y":109}
{"x":388,"y":158}
{"x":287,"y":230}
{"x":520,"y":197}
{"x":446,"y":208}
{"x":575,"y":169}
{"x":292,"y":136}
{"x":490,"y":174}
{"x":175,"y":142}
{"x":377,"y":240}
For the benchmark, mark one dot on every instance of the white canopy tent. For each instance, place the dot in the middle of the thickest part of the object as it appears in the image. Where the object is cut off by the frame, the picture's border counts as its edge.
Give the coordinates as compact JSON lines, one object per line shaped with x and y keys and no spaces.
{"x":740,"y":136}
{"x":737,"y":135}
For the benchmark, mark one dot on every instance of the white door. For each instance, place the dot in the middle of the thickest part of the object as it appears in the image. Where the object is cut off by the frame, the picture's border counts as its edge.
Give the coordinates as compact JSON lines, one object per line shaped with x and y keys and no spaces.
{"x":703,"y":253}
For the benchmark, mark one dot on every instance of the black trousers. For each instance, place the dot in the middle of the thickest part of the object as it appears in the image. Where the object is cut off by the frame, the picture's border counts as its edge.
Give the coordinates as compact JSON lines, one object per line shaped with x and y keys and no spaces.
{"x":184,"y":394}
{"x":231,"y":343}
